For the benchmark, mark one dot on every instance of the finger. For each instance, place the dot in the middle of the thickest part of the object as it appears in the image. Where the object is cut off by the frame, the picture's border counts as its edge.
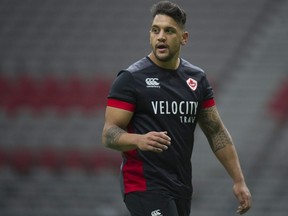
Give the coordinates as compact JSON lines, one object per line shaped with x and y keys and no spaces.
{"x":244,"y":207}
{"x":242,"y":199}
{"x":249,"y":200}
{"x":246,"y":200}
{"x":155,"y":149}
{"x":158,"y":150}
{"x":160,"y":146}
{"x":163,"y":138}
{"x":158,"y":142}
{"x":241,"y":210}
{"x":163,"y":141}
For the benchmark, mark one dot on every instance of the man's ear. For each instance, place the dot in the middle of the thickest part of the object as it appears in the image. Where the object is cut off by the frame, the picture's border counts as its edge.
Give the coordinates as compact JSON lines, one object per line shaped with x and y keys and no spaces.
{"x":185,"y":37}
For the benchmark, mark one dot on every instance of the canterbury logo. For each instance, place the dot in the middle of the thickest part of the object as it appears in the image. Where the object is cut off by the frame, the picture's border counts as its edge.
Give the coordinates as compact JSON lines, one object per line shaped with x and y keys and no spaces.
{"x":156,"y":213}
{"x":152,"y":82}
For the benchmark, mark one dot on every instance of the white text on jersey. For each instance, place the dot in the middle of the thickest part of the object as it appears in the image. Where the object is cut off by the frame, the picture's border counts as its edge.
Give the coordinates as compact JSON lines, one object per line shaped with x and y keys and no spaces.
{"x":186,"y":109}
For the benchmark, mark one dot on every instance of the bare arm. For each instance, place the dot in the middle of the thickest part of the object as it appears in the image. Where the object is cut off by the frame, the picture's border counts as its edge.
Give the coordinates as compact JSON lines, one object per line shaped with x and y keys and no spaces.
{"x":222,"y":145}
{"x":115,"y":136}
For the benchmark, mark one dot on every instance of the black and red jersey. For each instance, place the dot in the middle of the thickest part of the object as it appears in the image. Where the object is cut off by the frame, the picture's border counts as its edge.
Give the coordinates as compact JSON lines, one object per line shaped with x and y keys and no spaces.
{"x":161,"y":100}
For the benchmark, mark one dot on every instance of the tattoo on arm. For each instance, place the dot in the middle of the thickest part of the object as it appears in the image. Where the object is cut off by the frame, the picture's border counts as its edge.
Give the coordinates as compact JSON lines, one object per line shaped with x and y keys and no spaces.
{"x":112,"y":135}
{"x":214,"y":129}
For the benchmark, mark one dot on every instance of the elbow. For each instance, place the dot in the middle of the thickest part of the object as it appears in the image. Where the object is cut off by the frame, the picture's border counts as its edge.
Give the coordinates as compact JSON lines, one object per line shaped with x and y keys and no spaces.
{"x":104,"y":140}
{"x":106,"y":144}
{"x":108,"y":138}
{"x":111,"y":136}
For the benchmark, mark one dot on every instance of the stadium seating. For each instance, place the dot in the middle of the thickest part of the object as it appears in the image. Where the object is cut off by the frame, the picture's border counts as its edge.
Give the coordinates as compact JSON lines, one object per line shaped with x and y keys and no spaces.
{"x":57,"y":61}
{"x":62,"y":95}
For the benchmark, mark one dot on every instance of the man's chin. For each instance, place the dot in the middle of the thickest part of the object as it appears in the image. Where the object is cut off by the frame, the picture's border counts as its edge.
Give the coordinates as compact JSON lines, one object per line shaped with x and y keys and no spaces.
{"x":163,"y":58}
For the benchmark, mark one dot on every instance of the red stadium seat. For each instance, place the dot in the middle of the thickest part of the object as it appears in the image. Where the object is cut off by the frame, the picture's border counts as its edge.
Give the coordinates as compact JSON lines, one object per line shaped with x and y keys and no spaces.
{"x":7,"y":94}
{"x":5,"y":89}
{"x":96,"y":94}
{"x":99,"y":160}
{"x":278,"y":106}
{"x":73,"y":159}
{"x":50,"y":91}
{"x":3,"y":158}
{"x":48,"y":158}
{"x":21,"y":159}
{"x":71,"y":94}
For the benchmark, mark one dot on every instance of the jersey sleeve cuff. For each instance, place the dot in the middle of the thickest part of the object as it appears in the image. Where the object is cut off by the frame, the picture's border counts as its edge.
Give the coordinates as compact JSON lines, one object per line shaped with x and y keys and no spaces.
{"x":208,"y":103}
{"x":120,"y":104}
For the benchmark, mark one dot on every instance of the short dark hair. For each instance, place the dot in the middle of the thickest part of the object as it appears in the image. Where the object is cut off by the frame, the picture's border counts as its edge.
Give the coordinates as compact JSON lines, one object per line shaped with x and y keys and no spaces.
{"x":170,"y":9}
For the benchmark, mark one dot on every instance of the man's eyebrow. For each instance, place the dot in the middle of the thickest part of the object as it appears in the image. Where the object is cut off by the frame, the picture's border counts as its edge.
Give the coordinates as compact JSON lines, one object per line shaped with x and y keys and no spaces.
{"x":170,"y":27}
{"x":165,"y":27}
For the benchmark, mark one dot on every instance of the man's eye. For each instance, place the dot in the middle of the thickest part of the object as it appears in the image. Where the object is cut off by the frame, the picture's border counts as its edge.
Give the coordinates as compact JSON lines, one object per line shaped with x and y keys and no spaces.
{"x":155,"y":30}
{"x":170,"y":31}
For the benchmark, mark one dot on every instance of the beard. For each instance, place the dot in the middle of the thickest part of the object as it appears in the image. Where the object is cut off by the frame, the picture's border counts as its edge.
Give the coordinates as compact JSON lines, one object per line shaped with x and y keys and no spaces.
{"x":169,"y":54}
{"x":163,"y":57}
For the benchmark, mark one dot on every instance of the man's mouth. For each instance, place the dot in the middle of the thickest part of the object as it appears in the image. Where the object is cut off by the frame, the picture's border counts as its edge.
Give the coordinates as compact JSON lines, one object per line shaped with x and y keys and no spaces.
{"x":161,"y":47}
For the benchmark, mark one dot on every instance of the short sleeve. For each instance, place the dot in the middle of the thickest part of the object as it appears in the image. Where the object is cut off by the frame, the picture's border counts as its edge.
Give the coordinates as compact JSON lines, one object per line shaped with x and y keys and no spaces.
{"x":208,"y":94}
{"x":122,"y":90}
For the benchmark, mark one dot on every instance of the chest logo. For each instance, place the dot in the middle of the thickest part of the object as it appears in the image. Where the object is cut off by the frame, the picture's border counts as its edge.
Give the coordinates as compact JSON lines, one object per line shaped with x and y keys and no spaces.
{"x":156,"y":213}
{"x":152,"y":83}
{"x":192,"y":84}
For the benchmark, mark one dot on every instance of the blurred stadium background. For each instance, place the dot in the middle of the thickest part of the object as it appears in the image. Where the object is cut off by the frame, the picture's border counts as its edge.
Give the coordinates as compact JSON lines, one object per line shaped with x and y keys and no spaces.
{"x":57,"y":61}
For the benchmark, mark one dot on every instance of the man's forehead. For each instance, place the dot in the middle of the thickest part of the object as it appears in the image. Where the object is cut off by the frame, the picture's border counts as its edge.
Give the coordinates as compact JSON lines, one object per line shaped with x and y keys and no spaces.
{"x":162,"y":20}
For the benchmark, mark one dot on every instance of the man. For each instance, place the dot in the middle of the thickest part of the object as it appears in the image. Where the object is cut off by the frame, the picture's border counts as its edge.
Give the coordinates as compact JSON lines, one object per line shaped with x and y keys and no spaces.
{"x":152,"y":111}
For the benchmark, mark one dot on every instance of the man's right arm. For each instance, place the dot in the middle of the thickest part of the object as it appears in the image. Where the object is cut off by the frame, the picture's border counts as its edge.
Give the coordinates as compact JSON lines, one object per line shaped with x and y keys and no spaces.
{"x":116,"y":137}
{"x":116,"y":122}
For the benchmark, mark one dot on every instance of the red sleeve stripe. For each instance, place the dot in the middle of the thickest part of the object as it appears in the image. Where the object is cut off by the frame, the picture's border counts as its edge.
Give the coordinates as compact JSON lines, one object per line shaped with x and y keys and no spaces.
{"x":208,"y":103}
{"x":120,"y":104}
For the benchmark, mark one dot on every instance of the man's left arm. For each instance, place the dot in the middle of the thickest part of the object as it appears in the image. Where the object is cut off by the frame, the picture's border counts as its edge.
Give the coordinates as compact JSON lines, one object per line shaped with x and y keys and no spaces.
{"x":222,"y":145}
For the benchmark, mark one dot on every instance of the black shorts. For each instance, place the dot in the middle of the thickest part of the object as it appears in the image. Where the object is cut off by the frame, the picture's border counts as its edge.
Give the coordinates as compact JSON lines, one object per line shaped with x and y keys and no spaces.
{"x":150,"y":203}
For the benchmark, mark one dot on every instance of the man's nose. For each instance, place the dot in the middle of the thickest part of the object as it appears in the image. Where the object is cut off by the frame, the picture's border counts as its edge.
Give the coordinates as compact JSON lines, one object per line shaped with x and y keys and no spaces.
{"x":161,"y":36}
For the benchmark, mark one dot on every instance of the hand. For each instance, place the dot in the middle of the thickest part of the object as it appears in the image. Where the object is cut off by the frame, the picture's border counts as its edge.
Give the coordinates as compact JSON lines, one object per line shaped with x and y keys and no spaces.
{"x":154,"y":141}
{"x":243,"y":195}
